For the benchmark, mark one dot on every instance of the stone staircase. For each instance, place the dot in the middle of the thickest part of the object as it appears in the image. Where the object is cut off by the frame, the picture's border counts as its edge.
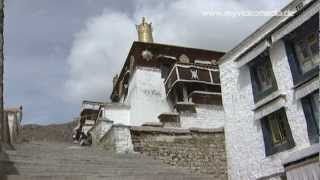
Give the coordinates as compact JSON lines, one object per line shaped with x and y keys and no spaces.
{"x":43,"y":160}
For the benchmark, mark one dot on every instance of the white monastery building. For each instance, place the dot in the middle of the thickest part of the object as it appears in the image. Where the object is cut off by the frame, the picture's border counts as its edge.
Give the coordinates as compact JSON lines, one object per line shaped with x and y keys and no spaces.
{"x":166,"y":83}
{"x":263,"y":95}
{"x":270,"y":90}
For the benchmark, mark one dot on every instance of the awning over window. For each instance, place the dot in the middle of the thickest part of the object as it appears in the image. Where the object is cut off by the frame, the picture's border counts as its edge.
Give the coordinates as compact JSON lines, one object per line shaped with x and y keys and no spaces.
{"x":296,"y":22}
{"x":252,"y":53}
{"x":307,"y":88}
{"x":306,"y":172}
{"x":269,"y":108}
{"x":303,"y":164}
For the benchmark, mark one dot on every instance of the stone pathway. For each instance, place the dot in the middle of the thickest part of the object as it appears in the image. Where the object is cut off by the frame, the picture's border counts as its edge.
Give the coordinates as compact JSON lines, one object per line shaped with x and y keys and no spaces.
{"x":41,"y":160}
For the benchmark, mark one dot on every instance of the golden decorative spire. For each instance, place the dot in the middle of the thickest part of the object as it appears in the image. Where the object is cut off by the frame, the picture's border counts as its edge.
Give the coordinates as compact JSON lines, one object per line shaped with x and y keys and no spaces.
{"x":145,"y":31}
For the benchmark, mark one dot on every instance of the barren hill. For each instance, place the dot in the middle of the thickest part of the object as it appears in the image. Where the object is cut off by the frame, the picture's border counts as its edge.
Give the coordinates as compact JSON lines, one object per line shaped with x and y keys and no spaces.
{"x":50,"y":133}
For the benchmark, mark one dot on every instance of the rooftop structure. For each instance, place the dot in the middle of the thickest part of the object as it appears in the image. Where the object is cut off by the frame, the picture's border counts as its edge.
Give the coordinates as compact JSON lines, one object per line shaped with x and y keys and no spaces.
{"x":145,"y":31}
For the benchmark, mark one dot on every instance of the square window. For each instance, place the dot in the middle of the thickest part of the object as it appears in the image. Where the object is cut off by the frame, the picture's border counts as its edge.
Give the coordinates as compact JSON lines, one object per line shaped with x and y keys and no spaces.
{"x":310,"y":106}
{"x":262,"y":77}
{"x":277,"y":129}
{"x":165,"y":70}
{"x":179,"y":94}
{"x":315,"y":105}
{"x":314,"y":45}
{"x":307,"y":51}
{"x":302,"y":47}
{"x":283,"y":177}
{"x":276,"y":132}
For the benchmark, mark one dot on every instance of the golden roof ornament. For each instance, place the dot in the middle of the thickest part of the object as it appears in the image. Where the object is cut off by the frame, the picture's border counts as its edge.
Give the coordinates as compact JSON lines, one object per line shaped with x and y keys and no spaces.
{"x":145,"y":31}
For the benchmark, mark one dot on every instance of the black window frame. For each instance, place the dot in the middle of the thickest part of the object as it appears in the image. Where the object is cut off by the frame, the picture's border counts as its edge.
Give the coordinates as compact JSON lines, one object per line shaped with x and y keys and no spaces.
{"x":297,"y":75}
{"x":309,"y":106}
{"x":271,"y":148}
{"x":165,"y":69}
{"x":262,"y":58}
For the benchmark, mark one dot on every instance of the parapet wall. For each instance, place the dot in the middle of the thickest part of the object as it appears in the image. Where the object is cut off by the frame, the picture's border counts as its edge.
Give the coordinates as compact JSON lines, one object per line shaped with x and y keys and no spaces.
{"x":200,"y":150}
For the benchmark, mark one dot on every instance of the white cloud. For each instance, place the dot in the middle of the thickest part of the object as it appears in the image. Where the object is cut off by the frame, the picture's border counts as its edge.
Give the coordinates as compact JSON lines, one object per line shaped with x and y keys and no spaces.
{"x":98,"y":52}
{"x":100,"y":49}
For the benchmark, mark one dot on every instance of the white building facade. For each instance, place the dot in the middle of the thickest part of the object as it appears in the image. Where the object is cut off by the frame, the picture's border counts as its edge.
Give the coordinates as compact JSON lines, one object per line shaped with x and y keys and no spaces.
{"x":165,"y":84}
{"x":270,"y":90}
{"x":146,"y":96}
{"x":14,"y":118}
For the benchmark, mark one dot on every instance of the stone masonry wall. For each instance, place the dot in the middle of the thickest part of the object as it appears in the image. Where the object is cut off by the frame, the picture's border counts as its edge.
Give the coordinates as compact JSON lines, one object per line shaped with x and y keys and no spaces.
{"x":200,"y":150}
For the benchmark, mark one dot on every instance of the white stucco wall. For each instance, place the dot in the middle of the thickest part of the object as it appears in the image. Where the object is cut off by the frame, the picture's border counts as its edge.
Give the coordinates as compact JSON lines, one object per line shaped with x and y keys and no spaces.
{"x":11,"y":124}
{"x":146,"y":96}
{"x":119,"y":114}
{"x":146,"y":100}
{"x":121,"y":138}
{"x":86,"y":128}
{"x":100,"y":129}
{"x":207,"y":116}
{"x":244,"y":139}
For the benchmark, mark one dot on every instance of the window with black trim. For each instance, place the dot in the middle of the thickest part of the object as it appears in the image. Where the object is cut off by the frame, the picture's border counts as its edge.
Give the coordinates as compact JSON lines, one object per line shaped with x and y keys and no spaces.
{"x":283,"y":177}
{"x":276,"y":132}
{"x":310,"y":106}
{"x":165,"y":70}
{"x":262,"y":77}
{"x":302,"y":46}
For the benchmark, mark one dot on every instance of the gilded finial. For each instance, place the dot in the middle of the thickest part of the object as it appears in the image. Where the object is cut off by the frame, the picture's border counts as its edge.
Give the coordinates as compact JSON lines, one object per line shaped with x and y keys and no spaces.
{"x":143,"y":20}
{"x":145,"y":31}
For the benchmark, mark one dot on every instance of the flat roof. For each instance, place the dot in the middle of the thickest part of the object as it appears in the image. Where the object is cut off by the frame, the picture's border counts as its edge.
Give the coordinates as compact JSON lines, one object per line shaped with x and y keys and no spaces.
{"x":265,"y":30}
{"x":170,"y":50}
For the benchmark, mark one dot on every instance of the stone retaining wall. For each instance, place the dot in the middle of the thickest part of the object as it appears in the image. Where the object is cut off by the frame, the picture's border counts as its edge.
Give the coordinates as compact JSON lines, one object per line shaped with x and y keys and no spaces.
{"x":200,"y":150}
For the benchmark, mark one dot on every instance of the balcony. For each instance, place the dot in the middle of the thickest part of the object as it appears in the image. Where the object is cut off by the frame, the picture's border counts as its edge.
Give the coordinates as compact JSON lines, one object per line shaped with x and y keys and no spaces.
{"x":191,"y":74}
{"x":90,"y":106}
{"x":192,"y":83}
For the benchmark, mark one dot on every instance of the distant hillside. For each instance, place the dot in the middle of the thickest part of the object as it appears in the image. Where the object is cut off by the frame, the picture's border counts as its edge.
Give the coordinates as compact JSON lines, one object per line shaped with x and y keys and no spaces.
{"x":52,"y":132}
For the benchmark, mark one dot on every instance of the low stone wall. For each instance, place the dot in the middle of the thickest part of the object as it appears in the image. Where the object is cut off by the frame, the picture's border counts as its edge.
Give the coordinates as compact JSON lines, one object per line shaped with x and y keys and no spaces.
{"x":200,"y":150}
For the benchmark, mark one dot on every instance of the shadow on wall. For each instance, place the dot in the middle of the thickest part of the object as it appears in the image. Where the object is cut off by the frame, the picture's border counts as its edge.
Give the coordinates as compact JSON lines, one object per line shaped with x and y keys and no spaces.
{"x":244,"y":77}
{"x":6,"y":166}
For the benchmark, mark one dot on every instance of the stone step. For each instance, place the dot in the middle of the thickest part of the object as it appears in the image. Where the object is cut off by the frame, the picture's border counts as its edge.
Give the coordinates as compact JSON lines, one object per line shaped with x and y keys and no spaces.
{"x":106,"y":172}
{"x":35,"y":164}
{"x":68,"y":161}
{"x":82,"y":160}
{"x":89,"y":168}
{"x":71,"y":153}
{"x":36,"y":168}
{"x":113,"y":173}
{"x":76,"y":177}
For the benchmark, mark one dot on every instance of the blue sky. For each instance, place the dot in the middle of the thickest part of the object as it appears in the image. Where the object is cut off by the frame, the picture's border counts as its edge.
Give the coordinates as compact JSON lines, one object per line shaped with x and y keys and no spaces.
{"x":58,"y":53}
